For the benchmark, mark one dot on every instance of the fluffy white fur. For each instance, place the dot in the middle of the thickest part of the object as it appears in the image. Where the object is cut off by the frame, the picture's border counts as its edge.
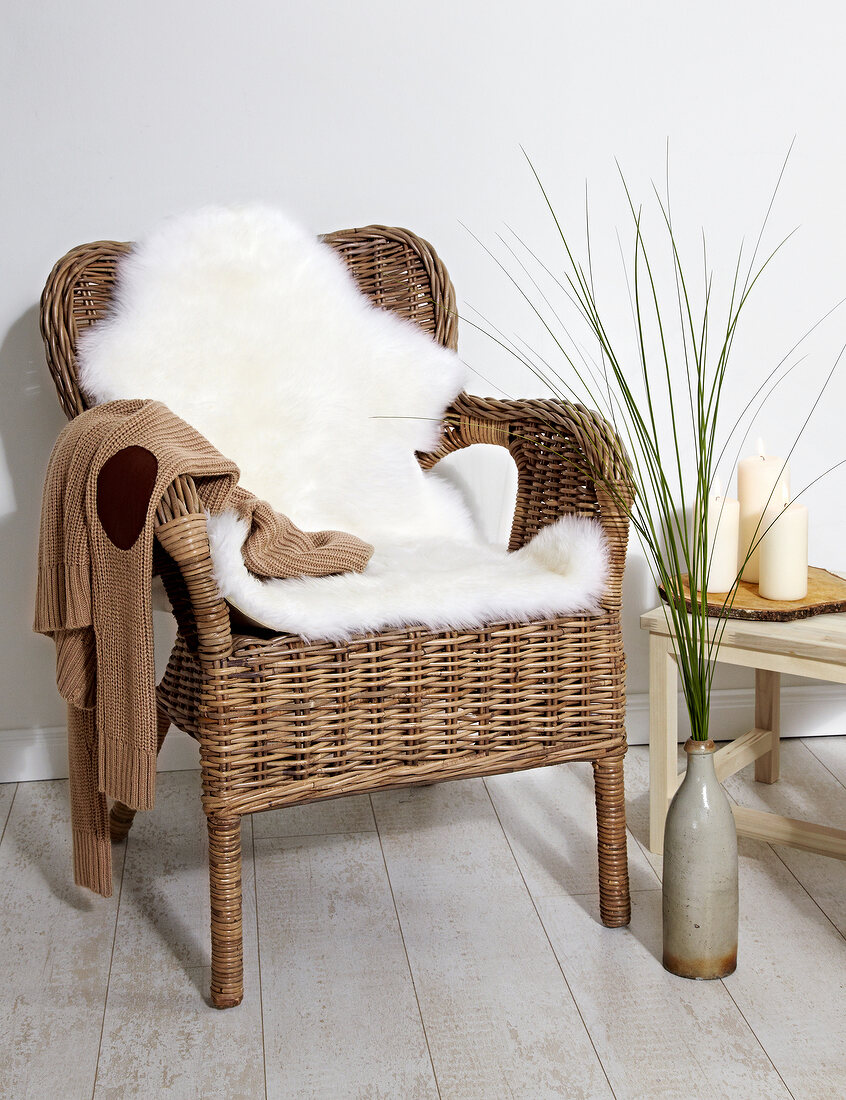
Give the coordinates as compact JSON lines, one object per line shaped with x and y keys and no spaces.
{"x":432,"y":582}
{"x":254,"y":332}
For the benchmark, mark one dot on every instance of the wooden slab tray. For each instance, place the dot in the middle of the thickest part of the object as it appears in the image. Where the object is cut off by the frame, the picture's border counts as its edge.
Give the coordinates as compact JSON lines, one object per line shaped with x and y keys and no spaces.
{"x":826,"y":594}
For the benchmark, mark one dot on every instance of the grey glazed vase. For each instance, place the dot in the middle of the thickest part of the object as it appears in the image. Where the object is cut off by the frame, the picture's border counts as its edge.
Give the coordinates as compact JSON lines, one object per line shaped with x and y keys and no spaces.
{"x":700,"y":873}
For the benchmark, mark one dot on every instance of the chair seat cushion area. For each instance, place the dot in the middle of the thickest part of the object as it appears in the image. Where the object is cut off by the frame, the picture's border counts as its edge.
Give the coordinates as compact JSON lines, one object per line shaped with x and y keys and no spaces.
{"x":435,"y":583}
{"x":297,"y":721}
{"x":255,"y":333}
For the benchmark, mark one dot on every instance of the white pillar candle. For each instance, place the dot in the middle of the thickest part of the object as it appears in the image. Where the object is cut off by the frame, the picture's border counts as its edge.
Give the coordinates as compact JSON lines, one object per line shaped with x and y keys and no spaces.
{"x":784,"y":552}
{"x":761,"y":482}
{"x":723,"y":525}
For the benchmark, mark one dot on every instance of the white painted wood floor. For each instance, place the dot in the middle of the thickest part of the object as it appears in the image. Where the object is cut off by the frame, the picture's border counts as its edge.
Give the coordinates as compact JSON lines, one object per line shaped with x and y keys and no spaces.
{"x":438,"y":942}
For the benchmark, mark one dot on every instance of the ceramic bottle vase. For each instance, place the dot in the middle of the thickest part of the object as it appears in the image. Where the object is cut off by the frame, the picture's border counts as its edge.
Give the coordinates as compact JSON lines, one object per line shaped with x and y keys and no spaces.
{"x":700,"y":873}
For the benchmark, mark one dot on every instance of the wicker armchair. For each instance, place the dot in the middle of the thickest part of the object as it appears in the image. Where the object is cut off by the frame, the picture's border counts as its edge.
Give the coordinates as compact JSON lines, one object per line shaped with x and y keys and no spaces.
{"x":283,"y":721}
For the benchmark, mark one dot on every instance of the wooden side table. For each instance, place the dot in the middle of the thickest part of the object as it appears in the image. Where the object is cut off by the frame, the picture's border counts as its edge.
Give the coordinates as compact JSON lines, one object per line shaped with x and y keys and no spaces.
{"x":814,"y":647}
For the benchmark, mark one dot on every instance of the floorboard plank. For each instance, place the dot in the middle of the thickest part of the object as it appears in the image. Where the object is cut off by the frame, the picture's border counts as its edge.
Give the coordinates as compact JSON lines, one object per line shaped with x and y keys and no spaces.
{"x":809,"y":791}
{"x":498,"y":1014}
{"x":55,"y":949}
{"x":830,"y":751}
{"x":549,"y":817}
{"x":7,"y":794}
{"x":352,"y":814}
{"x":791,"y":977}
{"x":161,"y":1037}
{"x":658,"y":1036}
{"x":340,"y":1014}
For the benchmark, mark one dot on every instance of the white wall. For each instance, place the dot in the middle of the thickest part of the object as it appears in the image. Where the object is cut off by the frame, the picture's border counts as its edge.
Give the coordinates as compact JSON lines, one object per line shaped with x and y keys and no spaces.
{"x":114,"y":115}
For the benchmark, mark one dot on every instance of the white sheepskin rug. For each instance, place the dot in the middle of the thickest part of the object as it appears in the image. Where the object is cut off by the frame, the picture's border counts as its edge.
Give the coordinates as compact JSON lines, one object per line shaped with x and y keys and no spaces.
{"x":254,"y":332}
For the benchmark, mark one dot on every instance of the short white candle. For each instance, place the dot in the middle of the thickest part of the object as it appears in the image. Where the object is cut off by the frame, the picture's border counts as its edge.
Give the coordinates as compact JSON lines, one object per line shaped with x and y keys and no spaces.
{"x":723,"y":524}
{"x":784,"y":552}
{"x":761,"y":480}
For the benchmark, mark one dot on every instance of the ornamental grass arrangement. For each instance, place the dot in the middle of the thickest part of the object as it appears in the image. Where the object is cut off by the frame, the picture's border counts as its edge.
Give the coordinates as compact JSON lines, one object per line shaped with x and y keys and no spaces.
{"x":664,"y":396}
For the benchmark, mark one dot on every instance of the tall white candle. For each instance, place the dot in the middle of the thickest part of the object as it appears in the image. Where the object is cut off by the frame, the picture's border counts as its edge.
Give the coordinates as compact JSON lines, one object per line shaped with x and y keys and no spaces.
{"x":761,"y":482}
{"x":784,"y":552}
{"x":723,"y":525}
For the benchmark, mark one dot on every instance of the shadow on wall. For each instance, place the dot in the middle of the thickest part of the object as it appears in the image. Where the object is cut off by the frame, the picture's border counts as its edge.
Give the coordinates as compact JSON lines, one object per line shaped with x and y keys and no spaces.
{"x":30,"y":420}
{"x":639,"y":595}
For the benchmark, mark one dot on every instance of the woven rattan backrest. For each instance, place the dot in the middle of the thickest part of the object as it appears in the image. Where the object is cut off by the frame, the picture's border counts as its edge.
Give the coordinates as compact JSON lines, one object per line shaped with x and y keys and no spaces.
{"x":396,"y":269}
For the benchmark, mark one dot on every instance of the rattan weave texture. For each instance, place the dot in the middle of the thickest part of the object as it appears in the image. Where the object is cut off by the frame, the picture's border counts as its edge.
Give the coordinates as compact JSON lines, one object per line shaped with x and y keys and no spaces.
{"x":283,"y":721}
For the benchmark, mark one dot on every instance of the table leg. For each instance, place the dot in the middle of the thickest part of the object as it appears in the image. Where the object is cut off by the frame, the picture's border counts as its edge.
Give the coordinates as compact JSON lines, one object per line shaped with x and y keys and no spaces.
{"x":663,"y":735}
{"x":768,"y":717}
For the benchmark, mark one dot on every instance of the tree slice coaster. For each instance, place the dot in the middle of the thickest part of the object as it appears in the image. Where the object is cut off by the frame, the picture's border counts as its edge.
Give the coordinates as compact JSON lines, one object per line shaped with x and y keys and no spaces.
{"x":826,"y":594}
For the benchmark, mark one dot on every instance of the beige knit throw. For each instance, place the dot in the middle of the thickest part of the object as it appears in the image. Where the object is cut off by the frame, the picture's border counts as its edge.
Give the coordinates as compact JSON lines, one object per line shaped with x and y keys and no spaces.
{"x":94,"y":599}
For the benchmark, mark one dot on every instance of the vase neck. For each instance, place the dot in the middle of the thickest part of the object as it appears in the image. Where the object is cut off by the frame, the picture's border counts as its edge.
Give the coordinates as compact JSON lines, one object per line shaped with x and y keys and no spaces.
{"x":699,"y":748}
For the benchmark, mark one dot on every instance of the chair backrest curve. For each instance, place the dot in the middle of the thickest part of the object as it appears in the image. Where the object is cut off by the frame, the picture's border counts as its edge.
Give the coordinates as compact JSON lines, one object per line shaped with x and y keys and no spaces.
{"x":395,"y":268}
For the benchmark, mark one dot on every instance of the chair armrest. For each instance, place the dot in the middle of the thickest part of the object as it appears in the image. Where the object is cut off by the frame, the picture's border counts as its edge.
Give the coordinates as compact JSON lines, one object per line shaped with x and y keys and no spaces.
{"x":569,"y":459}
{"x":201,"y":611}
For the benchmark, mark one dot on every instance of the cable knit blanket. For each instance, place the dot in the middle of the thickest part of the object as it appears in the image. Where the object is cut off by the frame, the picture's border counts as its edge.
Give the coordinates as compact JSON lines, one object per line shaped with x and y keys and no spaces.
{"x":107,"y":473}
{"x":254,"y":332}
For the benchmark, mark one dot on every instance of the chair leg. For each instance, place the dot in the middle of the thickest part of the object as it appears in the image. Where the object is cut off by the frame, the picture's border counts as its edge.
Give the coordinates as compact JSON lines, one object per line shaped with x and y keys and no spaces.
{"x":120,"y":821}
{"x":120,"y":816}
{"x":614,"y":900}
{"x":227,"y":962}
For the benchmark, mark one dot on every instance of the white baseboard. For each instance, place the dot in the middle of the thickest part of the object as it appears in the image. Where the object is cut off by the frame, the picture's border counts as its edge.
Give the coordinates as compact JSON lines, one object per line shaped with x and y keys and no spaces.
{"x":43,"y":754}
{"x":811,"y":710}
{"x":807,"y":710}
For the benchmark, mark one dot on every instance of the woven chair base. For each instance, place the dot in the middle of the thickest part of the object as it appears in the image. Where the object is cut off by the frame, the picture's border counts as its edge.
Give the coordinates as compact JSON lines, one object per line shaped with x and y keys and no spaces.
{"x":293,"y":721}
{"x":283,"y":721}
